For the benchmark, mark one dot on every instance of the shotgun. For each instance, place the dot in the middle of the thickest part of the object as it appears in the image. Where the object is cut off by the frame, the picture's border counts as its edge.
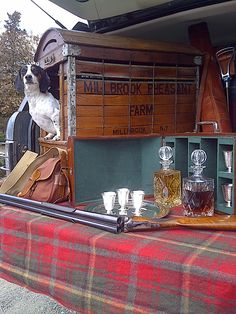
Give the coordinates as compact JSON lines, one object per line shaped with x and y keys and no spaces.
{"x":117,"y":224}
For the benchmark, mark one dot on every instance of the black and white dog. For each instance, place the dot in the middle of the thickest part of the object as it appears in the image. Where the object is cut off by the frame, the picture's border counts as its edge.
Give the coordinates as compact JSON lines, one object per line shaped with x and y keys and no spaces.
{"x":43,"y":107}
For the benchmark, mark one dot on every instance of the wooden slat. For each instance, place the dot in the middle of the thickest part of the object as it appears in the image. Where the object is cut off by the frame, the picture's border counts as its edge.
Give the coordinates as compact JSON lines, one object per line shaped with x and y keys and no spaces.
{"x":89,"y":111}
{"x":142,"y":129}
{"x":134,"y":110}
{"x":134,"y":71}
{"x":118,"y":87}
{"x":122,"y":55}
{"x":90,"y":122}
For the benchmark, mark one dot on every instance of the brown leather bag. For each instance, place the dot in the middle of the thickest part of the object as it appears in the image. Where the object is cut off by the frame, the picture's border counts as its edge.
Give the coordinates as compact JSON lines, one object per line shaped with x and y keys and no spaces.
{"x":48,"y":183}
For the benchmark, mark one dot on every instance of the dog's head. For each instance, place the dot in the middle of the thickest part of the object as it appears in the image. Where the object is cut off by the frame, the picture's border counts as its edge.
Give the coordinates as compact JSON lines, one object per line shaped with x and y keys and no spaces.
{"x":32,"y":76}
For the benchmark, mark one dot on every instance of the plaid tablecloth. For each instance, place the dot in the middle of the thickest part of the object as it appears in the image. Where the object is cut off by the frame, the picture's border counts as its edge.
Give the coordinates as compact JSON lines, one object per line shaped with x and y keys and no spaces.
{"x":92,"y":271}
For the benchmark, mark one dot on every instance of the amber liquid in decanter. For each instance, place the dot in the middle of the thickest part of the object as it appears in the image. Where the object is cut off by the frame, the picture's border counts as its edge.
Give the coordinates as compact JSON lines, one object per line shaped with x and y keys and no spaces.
{"x":198,"y":191}
{"x":167,"y":181}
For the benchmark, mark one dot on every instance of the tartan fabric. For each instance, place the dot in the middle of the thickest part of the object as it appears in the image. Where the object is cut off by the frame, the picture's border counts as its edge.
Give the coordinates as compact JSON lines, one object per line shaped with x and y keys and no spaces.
{"x":92,"y":271}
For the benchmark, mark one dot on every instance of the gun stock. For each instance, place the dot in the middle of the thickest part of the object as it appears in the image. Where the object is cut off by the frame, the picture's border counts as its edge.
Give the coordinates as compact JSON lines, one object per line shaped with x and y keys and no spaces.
{"x":221,"y":222}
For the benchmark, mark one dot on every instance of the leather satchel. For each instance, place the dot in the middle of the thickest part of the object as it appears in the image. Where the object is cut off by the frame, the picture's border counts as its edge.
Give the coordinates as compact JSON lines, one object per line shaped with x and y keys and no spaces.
{"x":24,"y":169}
{"x":48,"y":183}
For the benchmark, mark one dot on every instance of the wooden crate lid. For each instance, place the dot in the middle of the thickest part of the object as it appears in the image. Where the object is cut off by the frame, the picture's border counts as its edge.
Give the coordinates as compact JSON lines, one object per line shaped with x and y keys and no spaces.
{"x":53,"y":40}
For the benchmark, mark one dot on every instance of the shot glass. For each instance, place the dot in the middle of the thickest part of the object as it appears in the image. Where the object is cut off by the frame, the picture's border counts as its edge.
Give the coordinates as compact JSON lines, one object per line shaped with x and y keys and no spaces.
{"x":227,"y":193}
{"x":137,"y":201}
{"x":228,"y":155}
{"x":109,"y":201}
{"x":123,"y":197}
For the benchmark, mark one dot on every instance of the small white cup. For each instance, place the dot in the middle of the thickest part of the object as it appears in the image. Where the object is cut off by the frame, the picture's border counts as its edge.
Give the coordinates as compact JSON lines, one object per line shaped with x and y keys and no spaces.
{"x":137,"y":200}
{"x":109,"y":201}
{"x":123,"y":197}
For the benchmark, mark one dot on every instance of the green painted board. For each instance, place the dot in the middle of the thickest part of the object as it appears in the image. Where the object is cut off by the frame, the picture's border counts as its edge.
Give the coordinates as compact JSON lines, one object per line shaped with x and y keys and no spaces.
{"x":108,"y":164}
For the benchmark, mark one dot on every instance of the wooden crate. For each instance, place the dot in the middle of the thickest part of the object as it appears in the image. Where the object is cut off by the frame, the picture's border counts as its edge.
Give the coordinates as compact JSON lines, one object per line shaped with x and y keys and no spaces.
{"x":109,"y":85}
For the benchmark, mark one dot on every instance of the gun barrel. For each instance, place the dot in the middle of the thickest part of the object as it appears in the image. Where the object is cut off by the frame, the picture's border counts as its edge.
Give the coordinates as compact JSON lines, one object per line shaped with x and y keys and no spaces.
{"x":108,"y":223}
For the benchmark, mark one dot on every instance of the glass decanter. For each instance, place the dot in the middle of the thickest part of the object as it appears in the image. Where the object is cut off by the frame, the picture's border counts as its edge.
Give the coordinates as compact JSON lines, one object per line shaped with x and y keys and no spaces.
{"x":167,"y":181}
{"x":198,"y":191}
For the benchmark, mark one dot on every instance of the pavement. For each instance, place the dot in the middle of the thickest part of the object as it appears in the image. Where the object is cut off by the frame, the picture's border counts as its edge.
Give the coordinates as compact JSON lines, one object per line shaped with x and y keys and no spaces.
{"x":17,"y":300}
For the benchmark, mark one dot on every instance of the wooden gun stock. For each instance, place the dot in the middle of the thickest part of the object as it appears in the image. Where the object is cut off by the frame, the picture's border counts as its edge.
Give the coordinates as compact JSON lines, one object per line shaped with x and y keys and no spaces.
{"x":221,"y":222}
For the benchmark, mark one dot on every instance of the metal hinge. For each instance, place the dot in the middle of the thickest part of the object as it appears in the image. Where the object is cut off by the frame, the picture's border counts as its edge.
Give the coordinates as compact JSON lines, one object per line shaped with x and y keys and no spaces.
{"x":70,"y":50}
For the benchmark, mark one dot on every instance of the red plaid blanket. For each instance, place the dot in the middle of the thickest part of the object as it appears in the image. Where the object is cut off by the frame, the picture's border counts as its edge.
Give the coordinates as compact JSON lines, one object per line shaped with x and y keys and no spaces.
{"x":92,"y":271}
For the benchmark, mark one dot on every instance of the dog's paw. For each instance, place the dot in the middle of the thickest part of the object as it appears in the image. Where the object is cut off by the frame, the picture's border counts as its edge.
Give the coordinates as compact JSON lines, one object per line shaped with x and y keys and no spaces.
{"x":56,"y":138}
{"x":50,"y":136}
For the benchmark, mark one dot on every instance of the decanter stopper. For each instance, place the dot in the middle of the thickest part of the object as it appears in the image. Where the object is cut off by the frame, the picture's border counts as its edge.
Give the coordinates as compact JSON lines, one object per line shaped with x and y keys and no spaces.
{"x":165,"y":154}
{"x":198,"y":158}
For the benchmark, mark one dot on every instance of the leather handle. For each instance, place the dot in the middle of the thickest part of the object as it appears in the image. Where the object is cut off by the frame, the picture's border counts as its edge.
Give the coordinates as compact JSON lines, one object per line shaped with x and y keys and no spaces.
{"x":214,"y":124}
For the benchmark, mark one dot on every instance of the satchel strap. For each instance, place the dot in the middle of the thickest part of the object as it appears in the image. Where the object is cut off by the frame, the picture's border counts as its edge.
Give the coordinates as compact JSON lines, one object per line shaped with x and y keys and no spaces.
{"x":65,"y":170}
{"x":68,"y":191}
{"x":64,"y":160}
{"x":35,"y":176}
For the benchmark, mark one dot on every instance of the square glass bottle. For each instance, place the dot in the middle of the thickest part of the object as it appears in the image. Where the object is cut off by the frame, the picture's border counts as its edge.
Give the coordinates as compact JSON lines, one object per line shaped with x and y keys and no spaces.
{"x":167,"y":181}
{"x":198,"y":191}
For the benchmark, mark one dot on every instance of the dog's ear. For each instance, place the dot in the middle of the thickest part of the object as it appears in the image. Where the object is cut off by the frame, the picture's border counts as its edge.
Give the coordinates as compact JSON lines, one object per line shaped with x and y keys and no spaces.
{"x":44,"y":82}
{"x":19,"y":84}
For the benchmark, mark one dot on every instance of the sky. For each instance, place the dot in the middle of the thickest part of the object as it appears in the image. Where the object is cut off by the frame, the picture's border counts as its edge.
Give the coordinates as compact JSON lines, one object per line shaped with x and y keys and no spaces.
{"x":33,"y":19}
